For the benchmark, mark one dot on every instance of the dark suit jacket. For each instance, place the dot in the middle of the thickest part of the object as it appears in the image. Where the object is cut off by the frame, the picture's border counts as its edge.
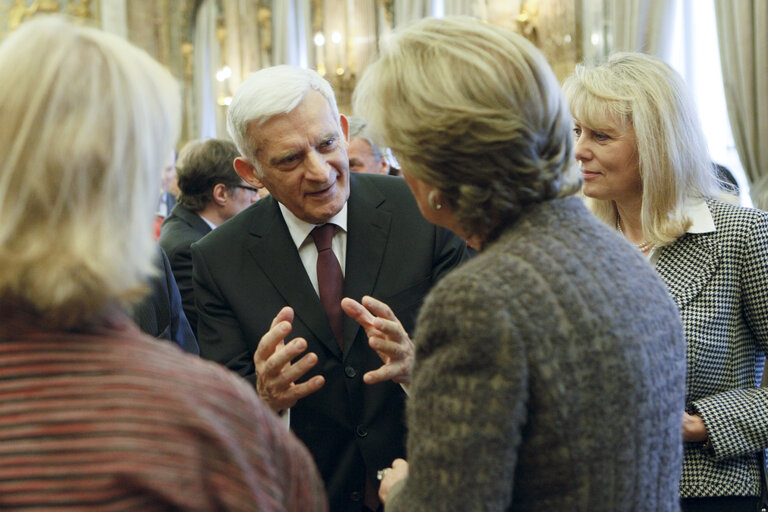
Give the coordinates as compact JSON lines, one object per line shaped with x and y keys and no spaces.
{"x":179,"y":230}
{"x":248,"y":269}
{"x":160,"y":314}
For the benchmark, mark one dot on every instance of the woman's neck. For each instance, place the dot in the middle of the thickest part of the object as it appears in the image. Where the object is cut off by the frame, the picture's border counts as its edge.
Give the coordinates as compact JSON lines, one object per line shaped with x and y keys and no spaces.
{"x":629,"y":222}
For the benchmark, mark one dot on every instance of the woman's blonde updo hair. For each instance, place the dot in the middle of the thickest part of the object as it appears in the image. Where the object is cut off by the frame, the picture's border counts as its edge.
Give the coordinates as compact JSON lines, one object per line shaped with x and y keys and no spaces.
{"x":474,"y":110}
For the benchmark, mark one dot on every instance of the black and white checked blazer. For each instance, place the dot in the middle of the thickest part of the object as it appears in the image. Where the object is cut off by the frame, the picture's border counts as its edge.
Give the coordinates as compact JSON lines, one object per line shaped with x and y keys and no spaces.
{"x":719,"y":280}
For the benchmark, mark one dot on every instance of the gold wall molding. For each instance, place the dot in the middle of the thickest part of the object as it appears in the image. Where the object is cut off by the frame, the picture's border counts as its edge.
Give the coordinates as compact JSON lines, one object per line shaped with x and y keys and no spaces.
{"x":15,"y":12}
{"x":246,"y":32}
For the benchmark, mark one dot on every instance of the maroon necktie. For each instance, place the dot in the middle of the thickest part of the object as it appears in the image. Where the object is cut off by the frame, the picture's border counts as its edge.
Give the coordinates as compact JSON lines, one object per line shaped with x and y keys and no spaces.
{"x":330,"y":281}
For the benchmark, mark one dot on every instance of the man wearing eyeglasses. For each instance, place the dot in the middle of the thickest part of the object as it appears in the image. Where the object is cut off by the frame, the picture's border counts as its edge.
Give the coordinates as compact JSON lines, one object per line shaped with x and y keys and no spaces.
{"x":211,"y":193}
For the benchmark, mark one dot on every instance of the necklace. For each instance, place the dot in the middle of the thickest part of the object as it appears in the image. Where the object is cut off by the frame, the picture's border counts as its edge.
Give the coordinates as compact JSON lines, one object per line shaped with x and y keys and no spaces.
{"x":642,"y":246}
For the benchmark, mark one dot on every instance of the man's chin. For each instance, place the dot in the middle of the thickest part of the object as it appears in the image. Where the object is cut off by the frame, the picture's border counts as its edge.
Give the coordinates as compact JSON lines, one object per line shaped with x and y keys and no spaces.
{"x":321,"y":216}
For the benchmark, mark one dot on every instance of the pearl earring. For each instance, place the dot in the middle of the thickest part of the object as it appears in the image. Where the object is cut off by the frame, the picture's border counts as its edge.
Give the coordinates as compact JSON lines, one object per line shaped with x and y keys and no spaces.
{"x":433,"y":201}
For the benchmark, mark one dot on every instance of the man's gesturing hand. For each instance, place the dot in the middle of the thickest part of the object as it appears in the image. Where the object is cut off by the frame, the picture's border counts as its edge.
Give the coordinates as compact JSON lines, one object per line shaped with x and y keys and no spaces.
{"x":386,"y":336}
{"x":275,"y":374}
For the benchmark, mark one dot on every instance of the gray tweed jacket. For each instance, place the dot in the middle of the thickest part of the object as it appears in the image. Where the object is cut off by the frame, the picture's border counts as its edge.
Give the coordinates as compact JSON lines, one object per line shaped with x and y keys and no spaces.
{"x":719,"y":281}
{"x":549,"y":375}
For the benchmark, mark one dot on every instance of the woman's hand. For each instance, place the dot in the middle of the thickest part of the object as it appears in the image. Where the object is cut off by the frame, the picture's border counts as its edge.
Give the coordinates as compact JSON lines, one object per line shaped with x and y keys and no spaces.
{"x":391,"y":476}
{"x":693,"y":428}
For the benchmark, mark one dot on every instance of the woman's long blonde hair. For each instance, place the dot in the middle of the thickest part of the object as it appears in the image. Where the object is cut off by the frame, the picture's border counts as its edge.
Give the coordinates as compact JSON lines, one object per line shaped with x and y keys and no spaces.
{"x":88,"y":123}
{"x":646,"y":94}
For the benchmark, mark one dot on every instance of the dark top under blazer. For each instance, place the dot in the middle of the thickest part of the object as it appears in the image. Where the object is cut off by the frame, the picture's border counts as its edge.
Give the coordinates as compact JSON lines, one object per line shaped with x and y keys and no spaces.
{"x":719,"y":281}
{"x":246,"y":270}
{"x":179,"y":230}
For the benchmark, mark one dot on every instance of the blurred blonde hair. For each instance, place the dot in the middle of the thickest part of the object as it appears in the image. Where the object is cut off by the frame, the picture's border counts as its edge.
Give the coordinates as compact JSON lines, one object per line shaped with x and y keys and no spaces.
{"x":88,"y":123}
{"x":646,"y":94}
{"x":474,"y":110}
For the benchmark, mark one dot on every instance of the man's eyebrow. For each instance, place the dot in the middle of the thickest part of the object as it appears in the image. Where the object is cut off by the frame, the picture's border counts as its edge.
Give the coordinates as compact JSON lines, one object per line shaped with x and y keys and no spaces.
{"x":329,"y":135}
{"x":285,"y":155}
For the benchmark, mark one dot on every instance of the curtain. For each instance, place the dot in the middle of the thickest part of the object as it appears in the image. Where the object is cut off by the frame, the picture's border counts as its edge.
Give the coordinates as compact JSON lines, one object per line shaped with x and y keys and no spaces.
{"x":459,"y":7}
{"x":642,"y":26}
{"x":114,"y":17}
{"x":742,"y":31}
{"x":291,"y":25}
{"x":362,"y":34}
{"x":209,"y":120}
{"x":248,"y":38}
{"x":407,"y":11}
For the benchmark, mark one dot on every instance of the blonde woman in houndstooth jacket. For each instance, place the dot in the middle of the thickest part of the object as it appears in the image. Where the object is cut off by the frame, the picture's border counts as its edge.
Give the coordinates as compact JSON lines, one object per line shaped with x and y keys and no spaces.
{"x":647,"y":173}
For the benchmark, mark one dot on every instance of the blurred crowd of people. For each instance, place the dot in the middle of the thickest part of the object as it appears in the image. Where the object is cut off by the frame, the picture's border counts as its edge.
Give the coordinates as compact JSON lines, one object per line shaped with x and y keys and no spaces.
{"x":525,"y":296}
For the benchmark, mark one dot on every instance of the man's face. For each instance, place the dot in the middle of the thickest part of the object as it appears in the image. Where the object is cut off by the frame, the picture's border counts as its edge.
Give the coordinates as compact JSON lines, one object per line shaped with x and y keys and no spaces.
{"x":169,"y":181}
{"x":241,"y":197}
{"x":304,"y":160}
{"x":362,"y":158}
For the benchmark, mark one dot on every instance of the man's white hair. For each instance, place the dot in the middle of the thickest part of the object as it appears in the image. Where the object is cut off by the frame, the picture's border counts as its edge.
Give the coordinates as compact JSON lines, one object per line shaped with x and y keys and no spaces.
{"x":267,"y":93}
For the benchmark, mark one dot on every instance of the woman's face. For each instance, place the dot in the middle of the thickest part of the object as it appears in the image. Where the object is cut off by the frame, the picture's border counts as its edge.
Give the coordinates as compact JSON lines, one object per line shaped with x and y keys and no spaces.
{"x":421,"y":192}
{"x":442,"y":217}
{"x":609,"y":162}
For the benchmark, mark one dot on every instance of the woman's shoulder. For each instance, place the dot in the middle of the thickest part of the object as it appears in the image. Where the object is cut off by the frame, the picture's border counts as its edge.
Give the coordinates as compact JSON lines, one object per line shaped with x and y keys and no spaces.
{"x":727,"y":212}
{"x":730,"y":219}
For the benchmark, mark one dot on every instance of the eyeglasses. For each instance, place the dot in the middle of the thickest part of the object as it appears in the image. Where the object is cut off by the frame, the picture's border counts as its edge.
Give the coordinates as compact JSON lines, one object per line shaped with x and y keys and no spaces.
{"x":248,"y":187}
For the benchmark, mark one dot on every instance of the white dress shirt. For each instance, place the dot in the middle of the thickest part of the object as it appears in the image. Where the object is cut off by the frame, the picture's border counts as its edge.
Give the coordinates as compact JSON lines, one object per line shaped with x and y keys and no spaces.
{"x":299,"y":231}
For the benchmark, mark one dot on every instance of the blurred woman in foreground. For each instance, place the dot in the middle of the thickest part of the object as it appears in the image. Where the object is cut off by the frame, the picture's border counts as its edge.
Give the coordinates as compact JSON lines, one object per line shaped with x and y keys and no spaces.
{"x":549,"y":370}
{"x":648,"y":175}
{"x":95,"y":415}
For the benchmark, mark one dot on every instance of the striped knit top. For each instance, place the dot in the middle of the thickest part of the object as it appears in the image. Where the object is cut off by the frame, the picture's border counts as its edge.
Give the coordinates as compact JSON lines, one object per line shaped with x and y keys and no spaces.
{"x":109,"y":419}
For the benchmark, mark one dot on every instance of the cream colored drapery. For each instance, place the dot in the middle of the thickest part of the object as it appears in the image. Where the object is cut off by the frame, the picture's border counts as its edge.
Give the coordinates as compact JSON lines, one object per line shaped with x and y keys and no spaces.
{"x":459,"y":7}
{"x":407,"y":11}
{"x":642,"y":26}
{"x":209,"y":119}
{"x":292,"y":26}
{"x":742,"y":31}
{"x":363,"y":31}
{"x":248,"y":38}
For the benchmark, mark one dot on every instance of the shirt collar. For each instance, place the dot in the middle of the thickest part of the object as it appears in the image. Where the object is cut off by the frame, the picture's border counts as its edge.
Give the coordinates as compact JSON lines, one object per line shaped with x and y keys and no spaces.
{"x":300,"y":229}
{"x":211,"y":224}
{"x":701,"y":218}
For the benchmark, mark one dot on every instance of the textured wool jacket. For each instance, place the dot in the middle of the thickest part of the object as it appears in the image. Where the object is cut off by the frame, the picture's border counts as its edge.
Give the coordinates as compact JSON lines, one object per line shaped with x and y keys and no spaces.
{"x":719,"y":280}
{"x":549,"y":375}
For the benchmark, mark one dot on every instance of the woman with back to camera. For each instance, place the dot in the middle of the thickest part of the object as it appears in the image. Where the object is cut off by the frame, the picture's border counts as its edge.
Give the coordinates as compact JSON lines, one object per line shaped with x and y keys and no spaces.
{"x":647,"y":174}
{"x":549,"y":370}
{"x":95,"y":415}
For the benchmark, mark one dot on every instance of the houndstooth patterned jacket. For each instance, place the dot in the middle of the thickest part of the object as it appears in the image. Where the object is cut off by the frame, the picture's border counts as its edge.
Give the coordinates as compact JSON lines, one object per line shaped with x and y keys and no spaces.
{"x":719,"y":280}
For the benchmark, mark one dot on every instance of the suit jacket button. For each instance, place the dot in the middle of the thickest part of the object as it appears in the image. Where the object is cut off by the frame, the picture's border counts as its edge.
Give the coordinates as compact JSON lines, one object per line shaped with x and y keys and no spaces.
{"x":355,"y":496}
{"x":351,"y":372}
{"x":361,"y":431}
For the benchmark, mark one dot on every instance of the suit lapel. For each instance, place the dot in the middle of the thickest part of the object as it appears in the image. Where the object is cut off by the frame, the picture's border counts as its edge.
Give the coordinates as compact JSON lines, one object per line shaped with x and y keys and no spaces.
{"x":688,"y":265}
{"x":368,"y":226}
{"x":274,"y":251}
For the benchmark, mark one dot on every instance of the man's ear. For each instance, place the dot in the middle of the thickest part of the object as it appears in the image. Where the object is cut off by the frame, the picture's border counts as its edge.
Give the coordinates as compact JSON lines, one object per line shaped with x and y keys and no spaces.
{"x":220,"y":194}
{"x":344,"y":122}
{"x":247,"y":171}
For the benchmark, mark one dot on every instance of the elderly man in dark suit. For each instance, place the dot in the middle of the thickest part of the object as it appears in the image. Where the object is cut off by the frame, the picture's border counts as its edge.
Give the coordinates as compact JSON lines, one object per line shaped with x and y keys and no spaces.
{"x":211,"y":193}
{"x":266,"y":274}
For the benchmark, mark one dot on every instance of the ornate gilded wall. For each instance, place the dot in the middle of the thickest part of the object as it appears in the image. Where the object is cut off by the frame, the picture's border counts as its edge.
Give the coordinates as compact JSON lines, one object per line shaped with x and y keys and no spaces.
{"x":340,"y":36}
